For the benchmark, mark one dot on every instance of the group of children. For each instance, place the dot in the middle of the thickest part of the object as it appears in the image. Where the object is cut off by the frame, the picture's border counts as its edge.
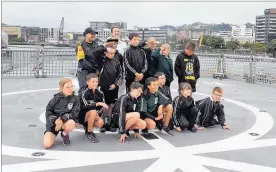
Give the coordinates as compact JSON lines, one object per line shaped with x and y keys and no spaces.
{"x":147,"y":102}
{"x":139,"y":109}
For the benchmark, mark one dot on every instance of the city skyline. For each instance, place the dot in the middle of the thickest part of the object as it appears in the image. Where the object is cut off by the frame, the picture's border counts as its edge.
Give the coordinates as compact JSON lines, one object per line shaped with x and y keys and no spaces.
{"x":78,"y":14}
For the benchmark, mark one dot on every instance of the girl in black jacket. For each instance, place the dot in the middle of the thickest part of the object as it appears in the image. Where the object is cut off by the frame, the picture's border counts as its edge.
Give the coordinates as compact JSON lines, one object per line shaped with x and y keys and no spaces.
{"x":61,"y":114}
{"x":185,"y":111}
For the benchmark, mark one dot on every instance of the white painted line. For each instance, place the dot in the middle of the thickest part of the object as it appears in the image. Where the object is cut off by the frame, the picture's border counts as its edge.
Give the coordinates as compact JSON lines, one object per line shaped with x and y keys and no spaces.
{"x":28,"y":91}
{"x":234,"y":165}
{"x":160,"y":144}
{"x":172,"y":159}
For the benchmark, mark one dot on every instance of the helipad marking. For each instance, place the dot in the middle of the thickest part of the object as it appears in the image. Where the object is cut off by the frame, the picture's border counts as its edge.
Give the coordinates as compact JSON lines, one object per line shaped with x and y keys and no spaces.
{"x":170,"y":156}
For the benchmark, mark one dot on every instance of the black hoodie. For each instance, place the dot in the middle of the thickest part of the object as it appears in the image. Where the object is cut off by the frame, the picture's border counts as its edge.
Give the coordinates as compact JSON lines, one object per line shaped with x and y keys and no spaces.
{"x":111,"y":73}
{"x":187,"y":68}
{"x":60,"y":105}
{"x":135,"y":62}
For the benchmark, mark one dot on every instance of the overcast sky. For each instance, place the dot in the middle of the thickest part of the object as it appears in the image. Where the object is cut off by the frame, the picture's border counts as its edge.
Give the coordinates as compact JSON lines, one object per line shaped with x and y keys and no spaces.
{"x":78,"y":14}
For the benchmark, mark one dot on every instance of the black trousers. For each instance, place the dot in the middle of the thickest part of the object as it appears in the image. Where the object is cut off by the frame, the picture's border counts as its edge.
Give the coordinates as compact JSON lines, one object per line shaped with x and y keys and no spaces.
{"x":81,"y":75}
{"x":186,"y":119}
{"x":110,"y":96}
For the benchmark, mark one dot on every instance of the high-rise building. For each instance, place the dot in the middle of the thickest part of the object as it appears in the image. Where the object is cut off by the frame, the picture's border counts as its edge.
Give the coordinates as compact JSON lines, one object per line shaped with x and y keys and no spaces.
{"x":31,"y":34}
{"x":49,"y":34}
{"x":266,"y":26}
{"x":107,"y":25}
{"x":159,"y":34}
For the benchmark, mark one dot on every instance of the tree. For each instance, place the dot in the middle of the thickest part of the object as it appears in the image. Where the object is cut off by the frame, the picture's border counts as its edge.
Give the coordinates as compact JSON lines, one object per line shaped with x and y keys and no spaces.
{"x":232,"y":44}
{"x":247,"y":45}
{"x":258,"y":48}
{"x":214,"y":42}
{"x":271,"y":48}
{"x":183,"y":44}
{"x":16,"y":40}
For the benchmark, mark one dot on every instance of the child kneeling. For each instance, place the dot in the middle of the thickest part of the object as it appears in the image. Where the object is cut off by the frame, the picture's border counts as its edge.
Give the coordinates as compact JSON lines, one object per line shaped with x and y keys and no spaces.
{"x":185,"y":111}
{"x":61,"y":114}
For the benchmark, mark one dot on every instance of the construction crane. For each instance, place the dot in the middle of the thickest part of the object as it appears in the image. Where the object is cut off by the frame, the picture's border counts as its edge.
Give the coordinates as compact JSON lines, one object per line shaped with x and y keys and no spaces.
{"x":61,"y":27}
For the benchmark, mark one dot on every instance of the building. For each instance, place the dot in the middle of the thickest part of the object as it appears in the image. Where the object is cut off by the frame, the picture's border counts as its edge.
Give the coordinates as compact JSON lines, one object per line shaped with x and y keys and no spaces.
{"x":14,"y":32}
{"x":4,"y":40}
{"x":104,"y":34}
{"x":49,"y":35}
{"x":266,"y":26}
{"x":31,"y":34}
{"x":159,"y":34}
{"x":107,"y":25}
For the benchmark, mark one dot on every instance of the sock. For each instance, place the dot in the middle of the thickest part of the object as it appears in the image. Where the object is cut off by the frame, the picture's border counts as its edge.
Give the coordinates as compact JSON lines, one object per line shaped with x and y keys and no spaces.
{"x":85,"y":126}
{"x":64,"y":133}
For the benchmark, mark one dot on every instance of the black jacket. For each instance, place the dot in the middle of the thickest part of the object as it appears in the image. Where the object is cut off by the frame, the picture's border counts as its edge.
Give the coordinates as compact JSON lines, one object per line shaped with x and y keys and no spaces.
{"x":111,"y":73}
{"x":209,"y":109}
{"x":148,"y":51}
{"x":92,"y":57}
{"x":125,"y":104}
{"x":120,"y":58}
{"x":135,"y":62}
{"x":152,"y":101}
{"x":61,"y":105}
{"x":89,"y":100}
{"x":166,"y":91}
{"x":187,"y":68}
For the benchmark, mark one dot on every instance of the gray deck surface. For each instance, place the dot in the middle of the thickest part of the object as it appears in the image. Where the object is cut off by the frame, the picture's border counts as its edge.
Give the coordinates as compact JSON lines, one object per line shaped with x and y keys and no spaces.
{"x":201,"y":152}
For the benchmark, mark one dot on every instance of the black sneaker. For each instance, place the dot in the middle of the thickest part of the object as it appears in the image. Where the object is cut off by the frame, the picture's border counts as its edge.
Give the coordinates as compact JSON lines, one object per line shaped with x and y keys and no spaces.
{"x":192,"y":129}
{"x":102,"y":130}
{"x":91,"y":137}
{"x":159,"y":124}
{"x":166,"y":131}
{"x":66,"y":139}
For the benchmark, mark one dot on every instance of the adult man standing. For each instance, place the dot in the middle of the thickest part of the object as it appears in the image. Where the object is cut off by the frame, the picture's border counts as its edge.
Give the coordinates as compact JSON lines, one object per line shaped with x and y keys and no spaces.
{"x":121,"y":47}
{"x":89,"y":56}
{"x":151,"y":46}
{"x":86,"y":60}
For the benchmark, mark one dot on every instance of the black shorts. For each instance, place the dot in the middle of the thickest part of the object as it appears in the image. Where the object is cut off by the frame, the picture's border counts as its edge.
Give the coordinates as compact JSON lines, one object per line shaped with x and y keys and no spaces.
{"x":52,"y":130}
{"x":82,"y":115}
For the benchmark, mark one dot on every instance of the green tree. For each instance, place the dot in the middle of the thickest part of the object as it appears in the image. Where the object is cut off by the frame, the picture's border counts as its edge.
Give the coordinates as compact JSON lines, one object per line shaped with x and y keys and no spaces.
{"x":258,"y":48}
{"x":247,"y":45}
{"x":183,"y":43}
{"x":213,"y":42}
{"x":232,"y":44}
{"x":271,"y":48}
{"x":16,"y":40}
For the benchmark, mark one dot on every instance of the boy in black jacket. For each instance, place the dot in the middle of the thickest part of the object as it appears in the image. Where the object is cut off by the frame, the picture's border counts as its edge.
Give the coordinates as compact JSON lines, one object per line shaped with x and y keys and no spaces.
{"x":210,"y":108}
{"x":185,"y":111}
{"x":156,"y":107}
{"x":110,"y":81}
{"x":124,"y":113}
{"x":136,"y":63}
{"x":187,"y":67}
{"x":61,"y":114}
{"x":161,"y":79}
{"x":92,"y":106}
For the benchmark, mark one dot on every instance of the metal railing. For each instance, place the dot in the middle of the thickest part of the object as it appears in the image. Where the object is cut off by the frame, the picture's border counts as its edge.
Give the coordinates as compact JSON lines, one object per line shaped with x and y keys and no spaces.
{"x":62,"y":62}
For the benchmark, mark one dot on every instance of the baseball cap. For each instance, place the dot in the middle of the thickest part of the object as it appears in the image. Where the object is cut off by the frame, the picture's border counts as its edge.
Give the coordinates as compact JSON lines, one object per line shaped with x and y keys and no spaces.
{"x":89,"y":30}
{"x":111,"y":39}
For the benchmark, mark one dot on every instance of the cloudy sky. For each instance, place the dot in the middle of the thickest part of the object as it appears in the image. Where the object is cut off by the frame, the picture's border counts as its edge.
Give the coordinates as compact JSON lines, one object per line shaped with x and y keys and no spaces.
{"x":78,"y":14}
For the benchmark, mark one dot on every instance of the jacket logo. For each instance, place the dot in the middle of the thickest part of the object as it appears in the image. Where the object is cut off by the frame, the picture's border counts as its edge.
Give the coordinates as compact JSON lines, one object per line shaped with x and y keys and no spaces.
{"x":189,"y":68}
{"x":134,"y":107}
{"x":70,"y":106}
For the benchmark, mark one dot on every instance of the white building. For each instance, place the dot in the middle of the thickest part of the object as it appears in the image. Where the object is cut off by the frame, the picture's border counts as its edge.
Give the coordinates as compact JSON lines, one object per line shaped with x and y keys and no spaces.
{"x":104,"y":34}
{"x":243,"y":33}
{"x":49,"y":35}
